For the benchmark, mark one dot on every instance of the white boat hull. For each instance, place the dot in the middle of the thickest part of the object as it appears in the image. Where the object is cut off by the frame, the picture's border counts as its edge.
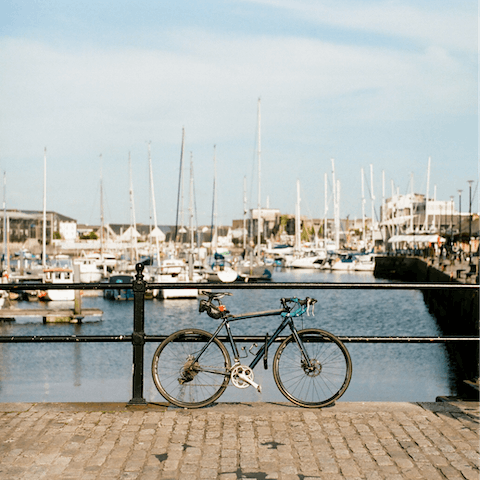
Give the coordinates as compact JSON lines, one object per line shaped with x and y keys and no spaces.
{"x":366,"y":264}
{"x":227,"y":275}
{"x":166,"y":293}
{"x":60,"y":295}
{"x":178,"y":293}
{"x":343,"y":266}
{"x":90,"y":277}
{"x":306,"y":262}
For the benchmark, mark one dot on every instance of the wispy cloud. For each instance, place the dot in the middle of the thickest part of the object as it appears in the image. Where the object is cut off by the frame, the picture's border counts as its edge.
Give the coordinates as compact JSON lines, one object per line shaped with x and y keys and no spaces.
{"x":450,"y":25}
{"x":82,"y":99}
{"x":210,"y":80}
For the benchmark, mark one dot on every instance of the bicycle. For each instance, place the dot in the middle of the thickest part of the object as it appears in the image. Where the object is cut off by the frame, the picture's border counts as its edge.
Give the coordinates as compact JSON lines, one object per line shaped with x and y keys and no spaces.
{"x":312,"y":368}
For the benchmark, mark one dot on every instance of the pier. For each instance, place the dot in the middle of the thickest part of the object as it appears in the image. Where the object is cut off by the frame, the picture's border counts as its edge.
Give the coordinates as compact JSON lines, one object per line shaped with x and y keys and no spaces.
{"x":86,"y":441}
{"x":49,"y":315}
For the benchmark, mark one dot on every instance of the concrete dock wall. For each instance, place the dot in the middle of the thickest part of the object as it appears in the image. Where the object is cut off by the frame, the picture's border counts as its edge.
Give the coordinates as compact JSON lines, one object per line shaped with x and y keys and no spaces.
{"x":456,"y":311}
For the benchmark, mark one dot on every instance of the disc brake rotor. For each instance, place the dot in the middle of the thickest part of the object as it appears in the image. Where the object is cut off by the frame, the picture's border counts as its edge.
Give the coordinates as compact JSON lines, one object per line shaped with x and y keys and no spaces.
{"x":314,"y":370}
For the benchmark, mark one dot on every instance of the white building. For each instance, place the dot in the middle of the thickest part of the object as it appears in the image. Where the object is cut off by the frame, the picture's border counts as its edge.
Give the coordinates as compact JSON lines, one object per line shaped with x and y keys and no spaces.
{"x":67,"y":229}
{"x":411,"y":213}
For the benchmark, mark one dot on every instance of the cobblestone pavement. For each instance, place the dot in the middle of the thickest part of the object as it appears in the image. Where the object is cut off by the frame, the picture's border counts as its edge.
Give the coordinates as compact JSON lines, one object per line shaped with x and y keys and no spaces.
{"x":240,"y":441}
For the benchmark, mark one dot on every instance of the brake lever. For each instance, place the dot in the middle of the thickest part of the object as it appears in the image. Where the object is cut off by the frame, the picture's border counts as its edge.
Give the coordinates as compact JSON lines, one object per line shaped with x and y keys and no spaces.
{"x":311,"y":304}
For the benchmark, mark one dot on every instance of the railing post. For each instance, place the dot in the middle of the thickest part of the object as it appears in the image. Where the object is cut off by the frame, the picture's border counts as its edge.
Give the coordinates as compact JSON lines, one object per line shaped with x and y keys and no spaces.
{"x":138,"y":336}
{"x":477,"y":332}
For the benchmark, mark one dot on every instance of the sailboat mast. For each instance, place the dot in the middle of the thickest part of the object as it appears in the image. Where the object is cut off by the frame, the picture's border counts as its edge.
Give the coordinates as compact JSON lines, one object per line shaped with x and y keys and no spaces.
{"x":412,"y":210}
{"x":244,"y":213}
{"x":215,"y":227}
{"x":297,"y":219}
{"x":335,"y":207}
{"x":382,"y":216}
{"x":44,"y":236}
{"x":374,"y":227}
{"x":132,"y":213}
{"x":180,"y":189}
{"x":259,"y":212}
{"x":6,"y":260}
{"x":152,"y":190}
{"x":190,"y":206}
{"x":425,"y":226}
{"x":101,"y":209}
{"x":338,"y":213}
{"x":363,"y":210}
{"x":325,"y":178}
{"x":192,"y":233}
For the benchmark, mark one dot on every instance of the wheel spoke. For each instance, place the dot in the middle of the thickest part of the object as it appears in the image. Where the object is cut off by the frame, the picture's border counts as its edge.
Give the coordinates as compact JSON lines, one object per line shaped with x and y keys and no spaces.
{"x":322,"y":383}
{"x":183,"y":382}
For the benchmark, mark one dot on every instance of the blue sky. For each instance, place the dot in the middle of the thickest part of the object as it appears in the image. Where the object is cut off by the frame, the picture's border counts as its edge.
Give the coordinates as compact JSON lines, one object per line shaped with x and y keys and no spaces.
{"x":387,"y":83}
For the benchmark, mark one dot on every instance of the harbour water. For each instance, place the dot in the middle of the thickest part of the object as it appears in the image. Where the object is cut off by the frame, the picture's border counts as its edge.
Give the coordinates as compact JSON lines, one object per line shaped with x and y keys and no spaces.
{"x":94,"y":372}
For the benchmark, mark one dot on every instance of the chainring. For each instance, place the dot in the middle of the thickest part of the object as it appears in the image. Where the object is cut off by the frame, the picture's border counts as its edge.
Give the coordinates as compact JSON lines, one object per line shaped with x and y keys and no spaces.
{"x":238,"y":382}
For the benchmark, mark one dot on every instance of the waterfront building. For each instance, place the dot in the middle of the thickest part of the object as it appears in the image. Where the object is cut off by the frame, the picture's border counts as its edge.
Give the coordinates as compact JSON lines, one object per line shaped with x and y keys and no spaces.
{"x":412,"y":213}
{"x":25,"y":227}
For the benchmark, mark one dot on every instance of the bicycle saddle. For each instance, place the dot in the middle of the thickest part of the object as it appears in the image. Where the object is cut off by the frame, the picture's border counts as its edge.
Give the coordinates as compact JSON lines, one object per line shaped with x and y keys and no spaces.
{"x":214,"y":295}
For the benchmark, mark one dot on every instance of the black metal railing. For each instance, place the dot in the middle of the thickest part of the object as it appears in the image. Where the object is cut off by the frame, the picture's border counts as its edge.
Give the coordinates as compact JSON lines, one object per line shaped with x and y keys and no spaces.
{"x":138,"y":338}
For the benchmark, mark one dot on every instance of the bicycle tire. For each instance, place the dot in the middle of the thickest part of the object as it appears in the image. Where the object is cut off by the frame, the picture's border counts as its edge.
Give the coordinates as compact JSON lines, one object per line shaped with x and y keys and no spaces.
{"x":190,"y":386}
{"x":329,"y":378}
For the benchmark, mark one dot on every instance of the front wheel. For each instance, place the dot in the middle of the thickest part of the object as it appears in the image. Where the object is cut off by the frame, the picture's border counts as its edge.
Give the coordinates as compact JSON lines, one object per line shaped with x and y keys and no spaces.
{"x":319,"y":381}
{"x":185,"y":381}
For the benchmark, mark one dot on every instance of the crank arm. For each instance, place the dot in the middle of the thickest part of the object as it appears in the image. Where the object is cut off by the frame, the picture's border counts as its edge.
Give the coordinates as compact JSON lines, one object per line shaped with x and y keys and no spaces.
{"x":243,"y":377}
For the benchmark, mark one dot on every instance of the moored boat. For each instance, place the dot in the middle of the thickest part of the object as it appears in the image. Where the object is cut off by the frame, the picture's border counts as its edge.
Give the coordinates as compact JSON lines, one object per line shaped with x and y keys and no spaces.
{"x":170,"y":293}
{"x":365,"y":263}
{"x":117,"y":293}
{"x":254,"y":270}
{"x":88,"y":270}
{"x":57,"y":275}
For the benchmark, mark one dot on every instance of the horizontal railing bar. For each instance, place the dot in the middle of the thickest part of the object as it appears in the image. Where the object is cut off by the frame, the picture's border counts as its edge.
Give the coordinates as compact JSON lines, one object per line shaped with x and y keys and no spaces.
{"x":64,"y":338}
{"x":350,"y":339}
{"x":345,"y":339}
{"x":242,"y":286}
{"x":237,"y":338}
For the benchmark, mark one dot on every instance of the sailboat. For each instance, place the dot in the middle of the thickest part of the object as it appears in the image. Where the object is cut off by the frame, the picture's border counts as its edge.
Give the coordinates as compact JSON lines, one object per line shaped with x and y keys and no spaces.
{"x":88,"y":270}
{"x":61,"y":270}
{"x":218,"y":269}
{"x":254,"y":268}
{"x":302,"y":258}
{"x":186,"y":272}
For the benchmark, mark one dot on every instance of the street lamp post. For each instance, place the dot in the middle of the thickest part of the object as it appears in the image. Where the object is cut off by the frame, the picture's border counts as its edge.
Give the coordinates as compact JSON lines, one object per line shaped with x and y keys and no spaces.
{"x":470,"y":220}
{"x":460,"y":220}
{"x":451,"y":220}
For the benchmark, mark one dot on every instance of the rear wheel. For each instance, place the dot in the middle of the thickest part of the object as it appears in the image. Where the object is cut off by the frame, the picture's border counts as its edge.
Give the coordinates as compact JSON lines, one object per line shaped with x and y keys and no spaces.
{"x":185,"y":382}
{"x":322,"y":381}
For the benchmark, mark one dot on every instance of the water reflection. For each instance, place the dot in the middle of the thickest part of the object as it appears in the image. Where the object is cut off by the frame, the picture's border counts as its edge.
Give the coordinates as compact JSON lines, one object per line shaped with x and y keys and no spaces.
{"x":102,"y":371}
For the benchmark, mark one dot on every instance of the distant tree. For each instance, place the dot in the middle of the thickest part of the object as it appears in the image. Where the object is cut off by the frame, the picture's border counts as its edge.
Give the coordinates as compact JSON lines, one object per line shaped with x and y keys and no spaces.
{"x":307,"y":233}
{"x":89,"y":236}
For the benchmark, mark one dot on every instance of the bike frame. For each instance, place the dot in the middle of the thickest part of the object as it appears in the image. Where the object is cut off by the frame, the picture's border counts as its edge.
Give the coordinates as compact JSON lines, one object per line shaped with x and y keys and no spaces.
{"x":287,"y":321}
